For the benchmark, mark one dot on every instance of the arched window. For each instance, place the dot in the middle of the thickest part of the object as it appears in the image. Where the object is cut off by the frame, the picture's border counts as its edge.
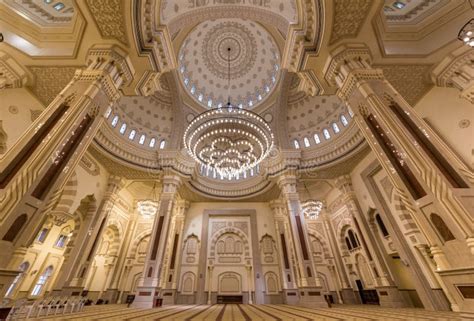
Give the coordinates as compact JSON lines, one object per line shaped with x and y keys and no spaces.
{"x":352,"y":239}
{"x":348,"y":243}
{"x":297,"y":145}
{"x":23,"y":268}
{"x":326,"y":133}
{"x":162,"y":144}
{"x":123,"y":128}
{"x":132,"y":134}
{"x":335,"y":128}
{"x":441,"y":227}
{"x":381,"y":225}
{"x":15,"y":228}
{"x":306,"y":142}
{"x":317,"y":139}
{"x":142,"y":139}
{"x":42,"y":281}
{"x":344,"y":121}
{"x":152,"y":142}
{"x":115,"y":120}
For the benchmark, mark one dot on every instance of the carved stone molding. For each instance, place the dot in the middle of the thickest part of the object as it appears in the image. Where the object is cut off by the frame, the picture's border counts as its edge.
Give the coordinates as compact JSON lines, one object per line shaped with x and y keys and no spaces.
{"x":457,"y":70}
{"x":12,"y":74}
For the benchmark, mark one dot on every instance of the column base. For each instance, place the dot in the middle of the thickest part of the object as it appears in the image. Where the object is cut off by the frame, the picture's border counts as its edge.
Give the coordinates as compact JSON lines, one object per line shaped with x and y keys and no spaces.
{"x":146,"y":297}
{"x":348,"y":296}
{"x":312,"y":298}
{"x":291,"y":296}
{"x":390,"y":297}
{"x":111,"y":295}
{"x":169,"y":296}
{"x":68,"y":291}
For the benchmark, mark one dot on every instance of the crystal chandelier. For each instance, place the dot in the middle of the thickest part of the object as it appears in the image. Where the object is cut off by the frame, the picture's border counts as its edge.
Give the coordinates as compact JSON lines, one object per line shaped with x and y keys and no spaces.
{"x":466,"y":34}
{"x":228,"y":140}
{"x":312,"y":209}
{"x":148,"y":207}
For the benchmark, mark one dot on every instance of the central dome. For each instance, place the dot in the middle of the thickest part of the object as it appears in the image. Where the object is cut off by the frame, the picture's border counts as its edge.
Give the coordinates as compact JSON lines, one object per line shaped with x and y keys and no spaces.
{"x":254,"y":63}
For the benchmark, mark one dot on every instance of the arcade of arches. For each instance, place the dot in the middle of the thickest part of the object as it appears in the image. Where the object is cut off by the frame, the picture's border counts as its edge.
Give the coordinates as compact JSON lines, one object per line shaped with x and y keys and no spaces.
{"x":366,"y":196}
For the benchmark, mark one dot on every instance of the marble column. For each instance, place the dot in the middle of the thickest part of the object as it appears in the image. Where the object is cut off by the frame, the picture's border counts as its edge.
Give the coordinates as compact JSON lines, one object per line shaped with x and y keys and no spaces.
{"x":175,"y":240}
{"x":427,"y":175}
{"x":389,"y":295}
{"x":288,"y":278}
{"x":149,"y":288}
{"x":310,"y":290}
{"x":75,"y":269}
{"x":35,"y":170}
{"x":347,"y":293}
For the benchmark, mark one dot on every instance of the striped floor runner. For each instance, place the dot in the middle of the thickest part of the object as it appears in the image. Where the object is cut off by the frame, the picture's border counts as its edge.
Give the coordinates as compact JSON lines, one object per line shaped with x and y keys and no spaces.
{"x":244,"y":312}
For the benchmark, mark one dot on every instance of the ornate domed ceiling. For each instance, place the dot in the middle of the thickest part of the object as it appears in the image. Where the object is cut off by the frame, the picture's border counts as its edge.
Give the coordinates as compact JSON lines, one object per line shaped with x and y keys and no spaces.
{"x":146,"y":121}
{"x":204,"y":63}
{"x":170,"y":10}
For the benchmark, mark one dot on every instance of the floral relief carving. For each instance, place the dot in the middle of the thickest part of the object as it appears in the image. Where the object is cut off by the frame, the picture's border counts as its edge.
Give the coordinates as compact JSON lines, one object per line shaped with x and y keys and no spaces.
{"x":349,"y":16}
{"x":108,"y":15}
{"x":49,"y":81}
{"x":411,"y":81}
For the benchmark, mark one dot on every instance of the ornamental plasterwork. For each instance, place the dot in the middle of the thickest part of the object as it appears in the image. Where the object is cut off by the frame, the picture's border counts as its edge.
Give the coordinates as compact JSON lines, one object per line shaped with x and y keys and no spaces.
{"x":349,"y":16}
{"x":49,"y":81}
{"x":254,"y":63}
{"x":411,"y":81}
{"x":109,"y":18}
{"x":171,"y":9}
{"x":411,"y":11}
{"x":89,"y":165}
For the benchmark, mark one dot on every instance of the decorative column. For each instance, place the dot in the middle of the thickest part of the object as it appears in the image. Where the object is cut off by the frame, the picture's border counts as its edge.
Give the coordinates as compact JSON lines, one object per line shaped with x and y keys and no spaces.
{"x":113,"y":286}
{"x":427,"y":175}
{"x":288,"y":279}
{"x":310,"y":291}
{"x":347,"y":293}
{"x":210,"y":268}
{"x":75,"y":269}
{"x":249,"y":282}
{"x":35,"y":170}
{"x":389,"y":295}
{"x":149,"y":288}
{"x":171,"y":273}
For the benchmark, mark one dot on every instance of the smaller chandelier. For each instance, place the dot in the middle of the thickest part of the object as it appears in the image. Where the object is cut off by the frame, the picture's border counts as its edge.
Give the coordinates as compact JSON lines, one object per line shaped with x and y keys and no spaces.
{"x":228,"y":140}
{"x":466,"y":34}
{"x":148,"y":207}
{"x":312,"y":209}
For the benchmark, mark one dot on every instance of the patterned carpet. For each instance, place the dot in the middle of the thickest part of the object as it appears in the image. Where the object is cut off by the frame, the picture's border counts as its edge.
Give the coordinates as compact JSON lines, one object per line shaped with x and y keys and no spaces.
{"x":244,"y":312}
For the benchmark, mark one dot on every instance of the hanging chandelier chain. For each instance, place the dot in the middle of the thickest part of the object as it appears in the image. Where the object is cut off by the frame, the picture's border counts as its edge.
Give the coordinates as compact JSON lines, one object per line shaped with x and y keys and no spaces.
{"x":228,"y":77}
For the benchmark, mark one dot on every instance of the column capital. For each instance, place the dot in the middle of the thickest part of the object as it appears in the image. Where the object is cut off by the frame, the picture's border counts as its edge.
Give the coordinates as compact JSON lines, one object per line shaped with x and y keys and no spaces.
{"x":108,"y":57}
{"x":171,"y":184}
{"x":344,"y":184}
{"x":350,"y":56}
{"x":456,"y":71}
{"x":287,"y":183}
